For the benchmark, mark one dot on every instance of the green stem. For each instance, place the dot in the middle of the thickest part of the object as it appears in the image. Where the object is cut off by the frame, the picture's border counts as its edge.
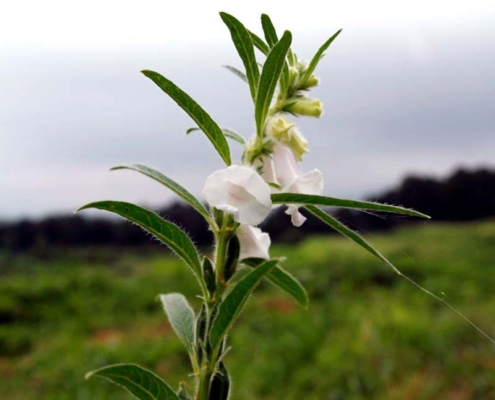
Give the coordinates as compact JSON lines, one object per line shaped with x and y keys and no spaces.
{"x":204,"y":384}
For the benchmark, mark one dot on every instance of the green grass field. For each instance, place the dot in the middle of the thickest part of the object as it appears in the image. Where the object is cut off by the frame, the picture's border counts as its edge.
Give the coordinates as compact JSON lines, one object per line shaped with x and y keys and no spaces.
{"x":368,"y":334}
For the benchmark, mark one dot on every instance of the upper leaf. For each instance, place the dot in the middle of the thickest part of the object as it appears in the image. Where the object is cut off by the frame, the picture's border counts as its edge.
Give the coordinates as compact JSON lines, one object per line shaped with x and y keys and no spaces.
{"x":172,"y":185}
{"x":181,"y":317}
{"x":164,"y":231}
{"x":259,"y":43}
{"x":319,"y":55}
{"x":269,"y":79}
{"x":200,"y":116}
{"x":236,"y":72}
{"x":296,"y":198}
{"x":244,"y":46}
{"x":233,"y":303}
{"x":140,"y":382}
{"x":269,"y":30}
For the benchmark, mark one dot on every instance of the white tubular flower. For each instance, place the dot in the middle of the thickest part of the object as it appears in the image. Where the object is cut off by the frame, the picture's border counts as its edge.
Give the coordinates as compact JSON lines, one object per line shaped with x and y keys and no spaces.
{"x":290,"y":178}
{"x":254,"y":242}
{"x":240,"y":191}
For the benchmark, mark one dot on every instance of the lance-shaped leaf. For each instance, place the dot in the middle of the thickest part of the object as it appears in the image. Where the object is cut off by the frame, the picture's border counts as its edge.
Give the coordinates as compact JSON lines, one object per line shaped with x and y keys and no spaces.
{"x":269,"y":30}
{"x":259,"y":43}
{"x":233,"y":303}
{"x":181,"y":317}
{"x":230,"y":134}
{"x":244,"y":45}
{"x":164,"y":231}
{"x":284,"y":280}
{"x":349,"y":233}
{"x":296,"y":198}
{"x":269,"y":79}
{"x":318,"y":56}
{"x":172,"y":185}
{"x":236,"y":72}
{"x":140,"y":382}
{"x":194,"y":110}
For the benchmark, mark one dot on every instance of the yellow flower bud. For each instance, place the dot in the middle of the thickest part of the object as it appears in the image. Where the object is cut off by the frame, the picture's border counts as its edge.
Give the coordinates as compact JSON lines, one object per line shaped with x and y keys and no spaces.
{"x":310,"y":108}
{"x":283,"y":131}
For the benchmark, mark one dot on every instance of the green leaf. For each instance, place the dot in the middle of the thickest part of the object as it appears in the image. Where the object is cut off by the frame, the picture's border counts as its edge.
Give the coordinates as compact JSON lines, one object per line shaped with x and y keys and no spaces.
{"x":284,"y":280}
{"x":354,"y":236}
{"x":259,"y":43}
{"x":236,"y":72}
{"x":244,"y":46}
{"x":164,"y":231}
{"x":172,"y":185}
{"x":181,"y":317}
{"x":318,"y":56}
{"x":227,"y":132}
{"x":233,"y":135}
{"x":269,"y":79}
{"x":269,"y":30}
{"x":289,"y":284}
{"x":194,"y":110}
{"x":296,"y":198}
{"x":233,"y":303}
{"x":142,"y":383}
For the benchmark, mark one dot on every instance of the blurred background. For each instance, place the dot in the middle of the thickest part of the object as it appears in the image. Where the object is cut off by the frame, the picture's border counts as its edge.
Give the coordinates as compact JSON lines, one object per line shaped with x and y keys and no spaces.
{"x":409,"y":119}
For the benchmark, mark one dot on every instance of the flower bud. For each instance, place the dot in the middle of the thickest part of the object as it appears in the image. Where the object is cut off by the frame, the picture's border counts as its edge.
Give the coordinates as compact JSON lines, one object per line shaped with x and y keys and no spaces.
{"x":233,"y":252}
{"x":209,"y":275}
{"x":310,"y":108}
{"x":310,"y":82}
{"x":285,"y":132}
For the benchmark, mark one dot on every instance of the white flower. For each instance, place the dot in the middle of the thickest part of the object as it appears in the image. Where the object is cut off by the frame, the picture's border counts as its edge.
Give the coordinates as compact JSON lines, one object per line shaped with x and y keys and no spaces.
{"x":240,"y":191}
{"x":292,"y":180}
{"x":254,"y":242}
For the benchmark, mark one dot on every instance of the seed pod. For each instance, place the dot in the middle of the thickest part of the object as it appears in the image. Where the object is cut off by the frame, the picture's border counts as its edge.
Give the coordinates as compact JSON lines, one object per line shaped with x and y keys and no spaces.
{"x":233,"y":252}
{"x":209,"y":275}
{"x":220,"y":384}
{"x":200,"y":333}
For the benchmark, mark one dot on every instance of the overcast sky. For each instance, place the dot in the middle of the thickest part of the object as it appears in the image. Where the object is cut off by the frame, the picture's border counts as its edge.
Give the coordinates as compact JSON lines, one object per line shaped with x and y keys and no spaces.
{"x":406,"y":89}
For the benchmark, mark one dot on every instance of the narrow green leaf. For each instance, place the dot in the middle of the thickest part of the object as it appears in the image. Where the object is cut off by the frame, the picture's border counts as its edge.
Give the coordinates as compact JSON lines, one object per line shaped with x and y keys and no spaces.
{"x":269,"y":30}
{"x":233,"y":135}
{"x":195,"y":111}
{"x":269,"y":79}
{"x":289,"y":284}
{"x":181,"y":317}
{"x":164,"y":231}
{"x":284,"y":280}
{"x":140,"y":382}
{"x":244,"y":45}
{"x":236,"y":72}
{"x":319,"y":55}
{"x":233,"y":303}
{"x":172,"y":185}
{"x":349,"y":233}
{"x":230,"y":134}
{"x":259,"y":43}
{"x":296,"y":198}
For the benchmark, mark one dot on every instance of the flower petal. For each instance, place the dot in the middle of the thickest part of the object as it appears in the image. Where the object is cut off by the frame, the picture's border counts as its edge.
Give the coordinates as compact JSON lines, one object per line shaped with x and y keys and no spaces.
{"x":296,"y":217}
{"x":254,"y":242}
{"x":241,"y":188}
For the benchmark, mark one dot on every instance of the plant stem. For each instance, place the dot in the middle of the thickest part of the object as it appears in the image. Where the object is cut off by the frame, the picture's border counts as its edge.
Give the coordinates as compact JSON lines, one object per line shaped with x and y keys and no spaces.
{"x":204,"y":384}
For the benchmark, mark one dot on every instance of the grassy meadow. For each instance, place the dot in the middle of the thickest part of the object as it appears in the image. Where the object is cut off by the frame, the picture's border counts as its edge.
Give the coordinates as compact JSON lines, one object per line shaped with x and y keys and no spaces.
{"x":368,"y":334}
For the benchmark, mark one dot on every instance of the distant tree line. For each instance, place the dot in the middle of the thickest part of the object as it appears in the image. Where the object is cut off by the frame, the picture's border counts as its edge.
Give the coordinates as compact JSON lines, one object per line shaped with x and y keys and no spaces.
{"x":463,"y":196}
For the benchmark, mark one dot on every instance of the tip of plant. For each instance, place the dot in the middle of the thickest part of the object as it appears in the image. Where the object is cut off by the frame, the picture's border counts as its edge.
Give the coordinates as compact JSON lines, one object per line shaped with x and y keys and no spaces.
{"x":88,"y":375}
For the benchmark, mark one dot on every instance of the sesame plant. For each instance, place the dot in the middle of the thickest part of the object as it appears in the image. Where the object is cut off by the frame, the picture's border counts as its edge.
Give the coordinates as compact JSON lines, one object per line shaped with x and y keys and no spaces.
{"x":239,"y":197}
